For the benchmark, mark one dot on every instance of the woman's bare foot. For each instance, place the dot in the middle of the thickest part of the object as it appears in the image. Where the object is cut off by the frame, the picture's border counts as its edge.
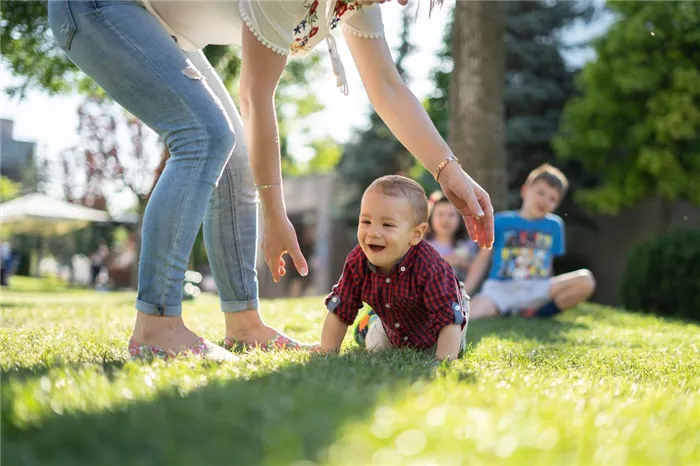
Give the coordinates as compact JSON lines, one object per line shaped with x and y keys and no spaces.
{"x":166,"y":337}
{"x":166,"y":333}
{"x":248,"y":328}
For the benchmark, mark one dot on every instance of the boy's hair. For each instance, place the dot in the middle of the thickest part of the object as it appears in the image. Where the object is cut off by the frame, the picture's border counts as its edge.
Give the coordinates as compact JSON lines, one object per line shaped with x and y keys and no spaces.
{"x":550,"y":175}
{"x":396,"y":186}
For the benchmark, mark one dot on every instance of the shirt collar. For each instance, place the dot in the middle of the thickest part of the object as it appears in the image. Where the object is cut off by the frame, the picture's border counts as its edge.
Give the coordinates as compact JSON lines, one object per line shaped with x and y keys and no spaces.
{"x":402,"y":265}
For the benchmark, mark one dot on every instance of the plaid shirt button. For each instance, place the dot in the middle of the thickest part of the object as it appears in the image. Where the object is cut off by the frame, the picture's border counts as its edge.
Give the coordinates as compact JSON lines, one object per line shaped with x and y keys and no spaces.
{"x":397,"y":325}
{"x":405,"y":338}
{"x":388,"y":280}
{"x":403,"y":269}
{"x":387,"y":305}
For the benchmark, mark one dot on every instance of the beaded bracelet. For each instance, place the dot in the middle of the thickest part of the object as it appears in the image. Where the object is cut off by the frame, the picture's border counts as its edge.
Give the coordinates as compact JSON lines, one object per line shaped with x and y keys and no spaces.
{"x":443,"y":164}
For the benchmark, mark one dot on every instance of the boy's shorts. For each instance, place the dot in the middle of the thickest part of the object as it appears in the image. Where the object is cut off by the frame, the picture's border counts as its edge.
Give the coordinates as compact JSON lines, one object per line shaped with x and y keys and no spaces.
{"x":511,"y":296}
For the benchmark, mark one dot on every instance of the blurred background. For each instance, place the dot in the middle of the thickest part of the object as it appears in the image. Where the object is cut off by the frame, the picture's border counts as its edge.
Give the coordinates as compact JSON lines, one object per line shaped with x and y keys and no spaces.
{"x":609,"y":92}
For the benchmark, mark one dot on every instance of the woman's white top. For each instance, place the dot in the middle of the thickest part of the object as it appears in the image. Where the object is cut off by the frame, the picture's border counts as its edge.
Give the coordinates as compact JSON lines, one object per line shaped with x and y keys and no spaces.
{"x":288,"y":27}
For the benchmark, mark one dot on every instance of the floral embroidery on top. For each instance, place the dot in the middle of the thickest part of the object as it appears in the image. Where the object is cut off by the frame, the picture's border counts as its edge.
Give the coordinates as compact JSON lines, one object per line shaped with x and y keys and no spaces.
{"x":340,"y":8}
{"x":311,"y":18}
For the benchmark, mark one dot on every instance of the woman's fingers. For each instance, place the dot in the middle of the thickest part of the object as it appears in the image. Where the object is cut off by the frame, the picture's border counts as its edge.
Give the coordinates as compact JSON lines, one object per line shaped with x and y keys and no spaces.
{"x":472,"y":227}
{"x":274,"y":258}
{"x":486,"y":220}
{"x":299,"y":260}
{"x":473,"y":203}
{"x":274,"y":269}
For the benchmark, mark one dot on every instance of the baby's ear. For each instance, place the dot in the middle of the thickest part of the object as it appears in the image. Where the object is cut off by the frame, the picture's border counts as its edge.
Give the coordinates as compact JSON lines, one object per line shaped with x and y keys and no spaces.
{"x":418,"y":233}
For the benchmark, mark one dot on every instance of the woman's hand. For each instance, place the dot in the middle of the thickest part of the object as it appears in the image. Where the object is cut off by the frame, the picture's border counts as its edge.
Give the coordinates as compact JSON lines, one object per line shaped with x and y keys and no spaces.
{"x":472,"y":202}
{"x":279,"y":238}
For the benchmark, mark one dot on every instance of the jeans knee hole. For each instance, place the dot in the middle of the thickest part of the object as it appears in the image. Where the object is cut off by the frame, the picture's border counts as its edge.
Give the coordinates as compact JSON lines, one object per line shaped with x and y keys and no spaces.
{"x":192,"y":73}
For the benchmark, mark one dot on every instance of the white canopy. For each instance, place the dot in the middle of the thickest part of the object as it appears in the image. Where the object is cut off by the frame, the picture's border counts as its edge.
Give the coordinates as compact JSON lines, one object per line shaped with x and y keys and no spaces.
{"x":42,"y":215}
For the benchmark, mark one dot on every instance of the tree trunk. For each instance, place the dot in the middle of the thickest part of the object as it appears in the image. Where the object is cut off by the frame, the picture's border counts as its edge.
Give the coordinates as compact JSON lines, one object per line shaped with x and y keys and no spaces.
{"x":477,"y":119}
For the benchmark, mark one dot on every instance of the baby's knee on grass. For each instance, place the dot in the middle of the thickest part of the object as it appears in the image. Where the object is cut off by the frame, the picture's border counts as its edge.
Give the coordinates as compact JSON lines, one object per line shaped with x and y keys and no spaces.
{"x":376,"y":339}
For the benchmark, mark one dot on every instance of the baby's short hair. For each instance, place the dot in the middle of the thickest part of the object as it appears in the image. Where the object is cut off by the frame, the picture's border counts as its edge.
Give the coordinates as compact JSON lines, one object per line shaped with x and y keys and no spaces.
{"x":397,"y":185}
{"x":550,"y":175}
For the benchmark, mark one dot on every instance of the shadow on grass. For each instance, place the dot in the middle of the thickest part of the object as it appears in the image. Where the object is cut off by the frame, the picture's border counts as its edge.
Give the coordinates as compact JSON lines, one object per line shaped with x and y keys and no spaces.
{"x":293,"y":413}
{"x":109,"y":368}
{"x":549,"y":330}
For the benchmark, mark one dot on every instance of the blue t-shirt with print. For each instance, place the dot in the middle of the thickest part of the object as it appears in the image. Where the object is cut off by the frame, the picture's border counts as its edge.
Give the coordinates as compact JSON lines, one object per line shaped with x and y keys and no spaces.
{"x":524,"y":249}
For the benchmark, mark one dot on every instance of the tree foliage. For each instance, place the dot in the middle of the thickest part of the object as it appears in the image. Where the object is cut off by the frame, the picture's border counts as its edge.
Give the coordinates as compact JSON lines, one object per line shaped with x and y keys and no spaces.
{"x":29,"y":50}
{"x":9,"y":189}
{"x":637,"y":123}
{"x":100,"y":164}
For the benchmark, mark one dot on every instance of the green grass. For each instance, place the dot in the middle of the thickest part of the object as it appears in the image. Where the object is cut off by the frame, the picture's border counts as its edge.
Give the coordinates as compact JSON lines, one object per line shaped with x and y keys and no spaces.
{"x":22,"y":284}
{"x":596,"y":386}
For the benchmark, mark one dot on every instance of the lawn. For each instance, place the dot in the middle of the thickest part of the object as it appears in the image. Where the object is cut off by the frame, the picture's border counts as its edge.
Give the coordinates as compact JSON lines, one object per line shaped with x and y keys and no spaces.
{"x":597,"y":386}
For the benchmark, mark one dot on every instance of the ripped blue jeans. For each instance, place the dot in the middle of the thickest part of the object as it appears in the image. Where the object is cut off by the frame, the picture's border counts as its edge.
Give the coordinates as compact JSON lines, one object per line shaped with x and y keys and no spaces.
{"x":207,"y":178}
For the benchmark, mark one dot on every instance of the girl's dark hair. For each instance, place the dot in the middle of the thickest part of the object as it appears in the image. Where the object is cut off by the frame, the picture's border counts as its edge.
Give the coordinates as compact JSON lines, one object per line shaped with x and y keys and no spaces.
{"x":438,"y":197}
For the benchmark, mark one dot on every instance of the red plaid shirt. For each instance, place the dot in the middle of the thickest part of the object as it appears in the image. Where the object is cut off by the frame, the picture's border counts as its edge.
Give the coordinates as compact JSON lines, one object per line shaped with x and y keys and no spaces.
{"x":415,"y":301}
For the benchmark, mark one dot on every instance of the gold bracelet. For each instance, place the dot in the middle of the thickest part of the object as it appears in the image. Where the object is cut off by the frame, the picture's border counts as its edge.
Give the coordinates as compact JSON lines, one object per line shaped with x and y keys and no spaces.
{"x":443,"y":164}
{"x":266,"y":186}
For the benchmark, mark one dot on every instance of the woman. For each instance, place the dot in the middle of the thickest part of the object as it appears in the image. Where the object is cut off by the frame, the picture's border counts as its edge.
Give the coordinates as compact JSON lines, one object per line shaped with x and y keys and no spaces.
{"x":147,"y":56}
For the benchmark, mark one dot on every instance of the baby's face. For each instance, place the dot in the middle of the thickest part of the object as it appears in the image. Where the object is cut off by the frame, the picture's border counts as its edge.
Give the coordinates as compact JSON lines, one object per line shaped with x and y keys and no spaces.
{"x":387,"y":229}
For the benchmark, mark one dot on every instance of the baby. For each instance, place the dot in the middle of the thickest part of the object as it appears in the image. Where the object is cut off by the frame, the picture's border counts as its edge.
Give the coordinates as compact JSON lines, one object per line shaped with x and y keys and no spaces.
{"x":416,"y":300}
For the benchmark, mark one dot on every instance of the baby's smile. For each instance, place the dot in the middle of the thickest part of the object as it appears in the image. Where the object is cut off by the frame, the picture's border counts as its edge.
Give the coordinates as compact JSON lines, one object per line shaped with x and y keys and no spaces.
{"x":376,"y":247}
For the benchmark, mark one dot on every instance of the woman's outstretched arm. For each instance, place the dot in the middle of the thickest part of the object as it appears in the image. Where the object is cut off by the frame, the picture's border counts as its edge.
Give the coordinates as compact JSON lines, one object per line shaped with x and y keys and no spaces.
{"x":407,"y":119}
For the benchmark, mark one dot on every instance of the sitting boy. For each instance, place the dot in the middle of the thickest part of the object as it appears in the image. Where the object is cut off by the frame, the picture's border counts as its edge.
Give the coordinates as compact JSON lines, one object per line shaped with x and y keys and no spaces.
{"x":520,"y":278}
{"x":413,"y":291}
